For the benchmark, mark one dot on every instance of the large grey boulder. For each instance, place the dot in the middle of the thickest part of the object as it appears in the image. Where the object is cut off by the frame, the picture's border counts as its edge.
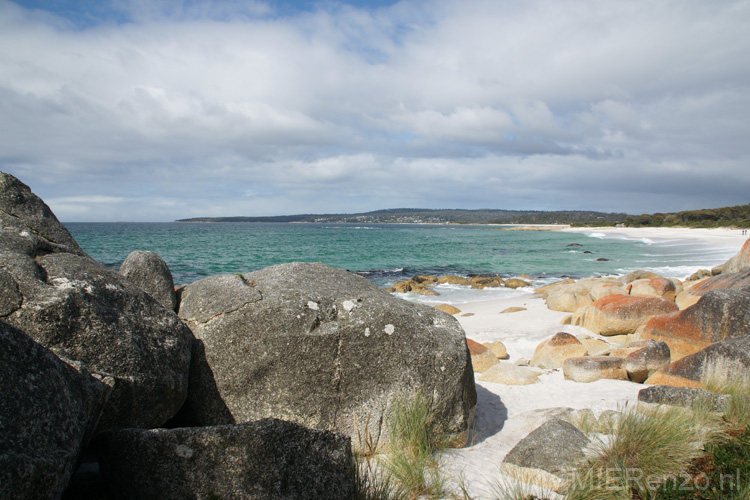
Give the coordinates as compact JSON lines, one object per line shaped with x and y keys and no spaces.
{"x":263,"y":460}
{"x":85,"y":312}
{"x":25,"y":213}
{"x":149,"y":271}
{"x":323,"y":347}
{"x":556,"y":447}
{"x":48,"y":412}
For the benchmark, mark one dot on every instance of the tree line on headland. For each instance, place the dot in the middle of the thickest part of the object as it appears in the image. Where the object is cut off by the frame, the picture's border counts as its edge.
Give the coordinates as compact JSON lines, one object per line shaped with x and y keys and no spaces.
{"x":738,"y":216}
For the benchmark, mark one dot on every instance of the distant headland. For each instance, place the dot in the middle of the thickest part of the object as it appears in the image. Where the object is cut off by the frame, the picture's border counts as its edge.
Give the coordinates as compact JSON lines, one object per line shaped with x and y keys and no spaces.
{"x":436,"y":216}
{"x":736,"y":216}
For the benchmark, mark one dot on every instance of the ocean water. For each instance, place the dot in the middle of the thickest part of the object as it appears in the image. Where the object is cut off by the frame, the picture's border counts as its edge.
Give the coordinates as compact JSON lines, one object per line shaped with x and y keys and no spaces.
{"x":385,"y":253}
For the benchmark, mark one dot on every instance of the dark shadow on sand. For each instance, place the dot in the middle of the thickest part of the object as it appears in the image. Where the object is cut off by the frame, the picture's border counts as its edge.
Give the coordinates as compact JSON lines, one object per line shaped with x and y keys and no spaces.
{"x":490,"y":418}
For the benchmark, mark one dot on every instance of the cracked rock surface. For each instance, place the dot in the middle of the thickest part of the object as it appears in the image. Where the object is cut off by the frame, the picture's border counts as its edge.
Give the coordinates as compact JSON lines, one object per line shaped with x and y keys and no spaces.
{"x":264,"y":460}
{"x":322,"y":347}
{"x":63,"y":299}
{"x":48,"y":411}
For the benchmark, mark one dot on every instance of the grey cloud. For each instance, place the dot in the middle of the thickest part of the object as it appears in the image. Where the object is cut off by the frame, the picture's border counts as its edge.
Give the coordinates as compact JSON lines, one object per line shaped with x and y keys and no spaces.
{"x":233,"y":108}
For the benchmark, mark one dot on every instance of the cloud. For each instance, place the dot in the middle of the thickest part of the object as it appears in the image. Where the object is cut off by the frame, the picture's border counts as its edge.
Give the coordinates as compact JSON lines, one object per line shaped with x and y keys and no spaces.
{"x":187,"y":108}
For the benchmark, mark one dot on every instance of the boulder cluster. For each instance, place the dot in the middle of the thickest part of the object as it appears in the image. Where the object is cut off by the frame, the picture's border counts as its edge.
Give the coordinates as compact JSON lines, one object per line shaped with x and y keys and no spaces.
{"x":648,"y":328}
{"x":251,"y":386}
{"x":421,"y":284}
{"x":674,"y":337}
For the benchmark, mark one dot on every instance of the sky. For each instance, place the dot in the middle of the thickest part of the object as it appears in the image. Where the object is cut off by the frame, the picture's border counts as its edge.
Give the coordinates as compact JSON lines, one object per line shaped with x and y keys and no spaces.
{"x":156,"y":110}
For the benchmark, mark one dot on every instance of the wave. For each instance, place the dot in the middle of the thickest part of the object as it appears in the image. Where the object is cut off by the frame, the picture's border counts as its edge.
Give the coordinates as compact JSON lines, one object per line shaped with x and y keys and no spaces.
{"x":600,"y":236}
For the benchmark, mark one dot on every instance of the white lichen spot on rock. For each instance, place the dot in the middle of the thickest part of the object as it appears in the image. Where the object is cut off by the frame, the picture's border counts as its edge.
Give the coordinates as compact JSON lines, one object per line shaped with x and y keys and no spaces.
{"x":389,"y":329}
{"x":183,"y":451}
{"x":312,"y":305}
{"x":367,"y":331}
{"x":66,"y":284}
{"x":349,"y":305}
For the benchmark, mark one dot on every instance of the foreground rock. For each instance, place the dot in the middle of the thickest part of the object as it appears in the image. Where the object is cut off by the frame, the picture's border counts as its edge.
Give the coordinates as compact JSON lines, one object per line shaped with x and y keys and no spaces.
{"x":322,"y":347}
{"x":48,"y":412}
{"x":556,"y":447}
{"x":621,"y":314}
{"x":83,"y":311}
{"x":686,"y":397}
{"x":724,"y":361}
{"x":149,"y":271}
{"x":264,"y":460}
{"x":717,"y":316}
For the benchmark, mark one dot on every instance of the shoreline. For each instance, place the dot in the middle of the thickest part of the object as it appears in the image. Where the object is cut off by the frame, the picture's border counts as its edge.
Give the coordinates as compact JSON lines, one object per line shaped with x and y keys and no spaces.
{"x":722,"y":237}
{"x":507,"y":413}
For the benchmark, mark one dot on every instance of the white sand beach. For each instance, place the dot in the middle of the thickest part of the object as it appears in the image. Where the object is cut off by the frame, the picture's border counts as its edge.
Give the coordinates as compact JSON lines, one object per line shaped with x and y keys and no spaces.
{"x":507,"y":413}
{"x":723,"y":237}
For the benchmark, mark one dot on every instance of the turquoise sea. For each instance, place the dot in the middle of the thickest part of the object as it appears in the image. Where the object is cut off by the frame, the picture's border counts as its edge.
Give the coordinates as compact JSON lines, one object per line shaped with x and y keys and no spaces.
{"x":386,"y":253}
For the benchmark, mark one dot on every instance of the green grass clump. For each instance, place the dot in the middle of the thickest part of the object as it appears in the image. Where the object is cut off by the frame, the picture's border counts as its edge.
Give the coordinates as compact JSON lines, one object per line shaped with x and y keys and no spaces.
{"x":642,"y":449}
{"x":408,"y":467}
{"x":724,"y":473}
{"x":728,"y":377}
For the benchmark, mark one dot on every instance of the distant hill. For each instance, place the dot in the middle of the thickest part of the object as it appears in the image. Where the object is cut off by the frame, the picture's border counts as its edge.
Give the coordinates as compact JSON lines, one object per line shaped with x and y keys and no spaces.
{"x":439,"y":216}
{"x":738,"y":216}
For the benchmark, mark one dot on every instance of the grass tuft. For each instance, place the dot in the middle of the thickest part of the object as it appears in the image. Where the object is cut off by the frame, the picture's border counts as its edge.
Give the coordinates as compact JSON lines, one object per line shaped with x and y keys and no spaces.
{"x":642,"y":449}
{"x":727,"y":376}
{"x":408,"y":468}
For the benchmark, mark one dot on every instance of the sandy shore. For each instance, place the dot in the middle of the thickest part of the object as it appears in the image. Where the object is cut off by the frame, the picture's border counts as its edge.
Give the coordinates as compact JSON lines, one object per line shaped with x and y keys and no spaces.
{"x":723,"y":237}
{"x":507,"y":413}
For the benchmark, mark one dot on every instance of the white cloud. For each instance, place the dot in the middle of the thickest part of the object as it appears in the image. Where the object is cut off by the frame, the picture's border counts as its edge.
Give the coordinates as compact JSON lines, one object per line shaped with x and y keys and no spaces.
{"x":537,"y":104}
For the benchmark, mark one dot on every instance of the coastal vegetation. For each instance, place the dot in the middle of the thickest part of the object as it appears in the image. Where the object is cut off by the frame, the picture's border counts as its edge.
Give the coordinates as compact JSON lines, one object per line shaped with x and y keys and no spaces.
{"x":738,"y":216}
